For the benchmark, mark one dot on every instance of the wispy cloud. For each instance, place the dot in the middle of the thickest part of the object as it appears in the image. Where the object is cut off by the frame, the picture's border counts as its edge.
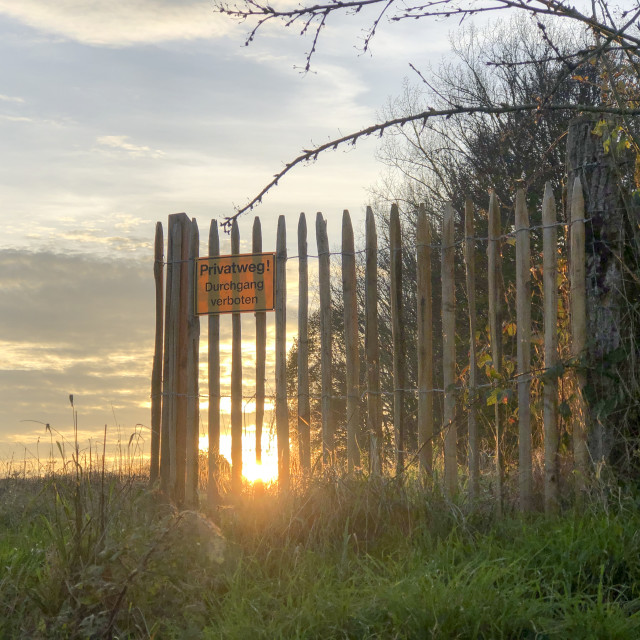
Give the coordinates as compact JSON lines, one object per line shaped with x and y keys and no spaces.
{"x":121,"y":143}
{"x":17,"y":99}
{"x":40,"y":122}
{"x":119,"y":23}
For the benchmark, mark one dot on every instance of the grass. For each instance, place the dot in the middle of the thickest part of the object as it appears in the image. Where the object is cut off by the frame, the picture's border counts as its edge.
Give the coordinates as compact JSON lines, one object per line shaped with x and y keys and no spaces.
{"x":103,"y":557}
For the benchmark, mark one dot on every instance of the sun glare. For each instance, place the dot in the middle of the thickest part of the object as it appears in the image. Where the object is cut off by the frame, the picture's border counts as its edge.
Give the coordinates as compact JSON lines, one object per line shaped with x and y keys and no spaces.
{"x":266,"y":471}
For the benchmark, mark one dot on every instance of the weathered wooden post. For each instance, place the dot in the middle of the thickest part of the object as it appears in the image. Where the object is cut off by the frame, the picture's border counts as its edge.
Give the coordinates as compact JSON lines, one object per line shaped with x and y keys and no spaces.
{"x":449,"y":352}
{"x":425,"y":344}
{"x":193,"y":389}
{"x":372,"y":347}
{"x":606,"y":174}
{"x":282,"y":410}
{"x":173,"y":440}
{"x":398,"y":335}
{"x":472,"y":416}
{"x":156,"y":373}
{"x":523,"y":335}
{"x":167,"y":438}
{"x":261,"y":350}
{"x":181,"y":369}
{"x":578,"y":279}
{"x":496,"y":297}
{"x":213,"y":363}
{"x":325,"y":339}
{"x":550,"y":389}
{"x":236,"y":383}
{"x":351,"y":342}
{"x":304,"y":407}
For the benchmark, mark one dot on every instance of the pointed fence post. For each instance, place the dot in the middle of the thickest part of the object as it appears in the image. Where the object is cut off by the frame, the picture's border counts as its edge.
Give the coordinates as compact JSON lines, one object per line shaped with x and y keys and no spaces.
{"x":167,"y":437}
{"x":282,"y":411}
{"x":398,"y":336}
{"x":236,"y":383}
{"x":550,"y":388}
{"x":449,"y":352}
{"x":496,"y":297}
{"x":372,"y":347}
{"x":578,"y":280}
{"x":193,"y":360}
{"x":261,"y":350}
{"x":325,"y":339}
{"x":304,"y":407}
{"x":523,"y":336}
{"x":213,"y":429}
{"x":156,"y":373}
{"x":181,"y":370}
{"x":351,"y":342}
{"x":425,"y":344}
{"x":472,"y":415}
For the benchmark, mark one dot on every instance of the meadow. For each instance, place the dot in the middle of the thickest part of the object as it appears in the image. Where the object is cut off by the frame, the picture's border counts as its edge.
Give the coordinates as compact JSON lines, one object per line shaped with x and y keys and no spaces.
{"x":92,"y":553}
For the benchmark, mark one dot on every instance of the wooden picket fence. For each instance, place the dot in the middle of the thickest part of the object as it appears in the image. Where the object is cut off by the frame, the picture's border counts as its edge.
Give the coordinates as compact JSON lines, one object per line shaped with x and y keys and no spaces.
{"x":175,"y":387}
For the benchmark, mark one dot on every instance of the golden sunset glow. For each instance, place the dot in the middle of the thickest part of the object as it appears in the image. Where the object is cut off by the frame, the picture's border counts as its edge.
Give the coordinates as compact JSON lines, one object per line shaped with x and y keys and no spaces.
{"x":267,"y":471}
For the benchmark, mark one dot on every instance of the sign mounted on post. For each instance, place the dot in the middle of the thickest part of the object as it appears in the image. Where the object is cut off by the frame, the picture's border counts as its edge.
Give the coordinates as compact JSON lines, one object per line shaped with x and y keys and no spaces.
{"x":235,"y":283}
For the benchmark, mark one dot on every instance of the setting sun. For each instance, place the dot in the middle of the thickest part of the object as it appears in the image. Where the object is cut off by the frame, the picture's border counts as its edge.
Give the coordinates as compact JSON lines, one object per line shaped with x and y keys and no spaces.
{"x":267,"y":471}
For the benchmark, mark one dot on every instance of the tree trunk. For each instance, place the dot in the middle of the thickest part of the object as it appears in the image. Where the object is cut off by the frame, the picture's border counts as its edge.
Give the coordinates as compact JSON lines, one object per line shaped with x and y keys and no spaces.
{"x":607,"y":237}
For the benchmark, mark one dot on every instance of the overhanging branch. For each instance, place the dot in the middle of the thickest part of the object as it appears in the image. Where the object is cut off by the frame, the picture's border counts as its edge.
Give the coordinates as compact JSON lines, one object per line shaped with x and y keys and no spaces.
{"x":309,"y":155}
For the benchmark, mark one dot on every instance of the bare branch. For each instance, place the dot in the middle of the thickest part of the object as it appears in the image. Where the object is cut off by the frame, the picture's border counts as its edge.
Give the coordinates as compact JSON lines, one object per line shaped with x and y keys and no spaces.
{"x":313,"y":18}
{"x":309,"y":155}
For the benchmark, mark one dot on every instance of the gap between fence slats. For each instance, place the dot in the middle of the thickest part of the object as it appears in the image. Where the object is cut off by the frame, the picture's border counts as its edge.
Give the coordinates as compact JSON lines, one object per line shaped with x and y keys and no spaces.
{"x":304,"y":405}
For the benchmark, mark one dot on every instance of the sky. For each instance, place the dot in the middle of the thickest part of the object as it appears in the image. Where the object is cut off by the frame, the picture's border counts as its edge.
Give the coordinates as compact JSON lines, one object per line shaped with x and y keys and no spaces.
{"x":114,"y":115}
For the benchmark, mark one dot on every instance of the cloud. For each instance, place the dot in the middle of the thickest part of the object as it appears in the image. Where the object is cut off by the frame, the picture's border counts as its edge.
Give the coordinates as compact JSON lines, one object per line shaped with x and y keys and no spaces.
{"x":74,"y":324}
{"x":46,"y":122}
{"x":119,"y":23}
{"x":17,"y":99}
{"x":137,"y":151}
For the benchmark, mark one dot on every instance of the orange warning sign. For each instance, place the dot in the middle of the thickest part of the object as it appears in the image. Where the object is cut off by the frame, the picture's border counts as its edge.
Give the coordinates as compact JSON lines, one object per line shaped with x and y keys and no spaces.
{"x":235,"y":283}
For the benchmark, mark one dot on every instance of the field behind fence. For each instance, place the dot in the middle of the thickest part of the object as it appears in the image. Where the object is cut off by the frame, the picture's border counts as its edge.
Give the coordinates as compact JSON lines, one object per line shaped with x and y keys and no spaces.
{"x":438,"y":413}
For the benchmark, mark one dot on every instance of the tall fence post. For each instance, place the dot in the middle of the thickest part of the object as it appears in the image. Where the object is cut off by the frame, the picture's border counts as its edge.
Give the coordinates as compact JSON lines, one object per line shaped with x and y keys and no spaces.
{"x":523,"y":335}
{"x":578,"y":280}
{"x":372,"y":346}
{"x":182,"y":375}
{"x":167,"y":437}
{"x":156,"y":372}
{"x":424,"y":301}
{"x":449,"y":352}
{"x":213,"y":363}
{"x":193,"y":360}
{"x":236,"y":383}
{"x":351,"y":342}
{"x":495,"y":329}
{"x":550,"y":388}
{"x":261,"y":350}
{"x":398,"y":336}
{"x":325,"y":339}
{"x":282,"y":411}
{"x":304,"y":407}
{"x":472,"y":419}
